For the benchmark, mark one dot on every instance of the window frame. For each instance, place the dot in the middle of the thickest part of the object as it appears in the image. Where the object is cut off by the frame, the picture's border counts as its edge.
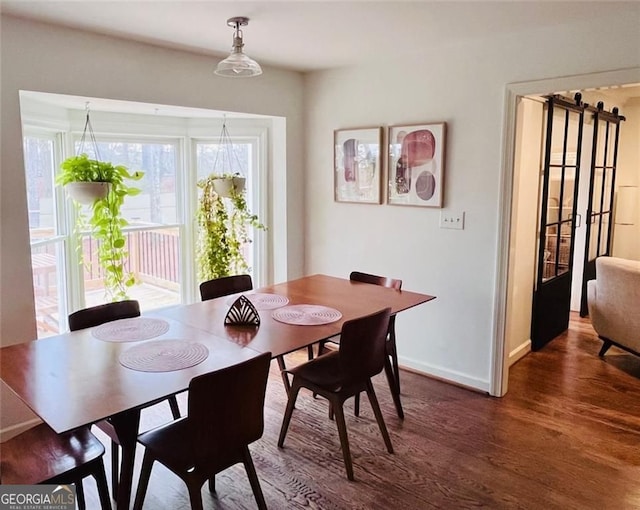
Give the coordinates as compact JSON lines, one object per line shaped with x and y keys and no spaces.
{"x":65,"y":127}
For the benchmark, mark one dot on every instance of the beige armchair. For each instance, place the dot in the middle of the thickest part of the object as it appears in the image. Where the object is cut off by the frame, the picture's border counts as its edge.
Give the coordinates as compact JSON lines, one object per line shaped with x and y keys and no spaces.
{"x":614,"y":303}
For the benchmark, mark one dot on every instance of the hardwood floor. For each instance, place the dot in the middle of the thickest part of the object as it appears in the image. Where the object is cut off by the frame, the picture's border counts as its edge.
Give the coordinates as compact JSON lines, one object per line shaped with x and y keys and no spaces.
{"x":566,"y":436}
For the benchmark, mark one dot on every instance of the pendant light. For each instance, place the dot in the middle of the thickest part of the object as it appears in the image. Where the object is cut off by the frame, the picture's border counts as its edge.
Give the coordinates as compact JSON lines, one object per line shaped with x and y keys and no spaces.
{"x":238,"y":65}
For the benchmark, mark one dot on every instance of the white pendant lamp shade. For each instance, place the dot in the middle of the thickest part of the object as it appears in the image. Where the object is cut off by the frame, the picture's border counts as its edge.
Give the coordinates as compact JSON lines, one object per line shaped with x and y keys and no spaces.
{"x":238,"y":65}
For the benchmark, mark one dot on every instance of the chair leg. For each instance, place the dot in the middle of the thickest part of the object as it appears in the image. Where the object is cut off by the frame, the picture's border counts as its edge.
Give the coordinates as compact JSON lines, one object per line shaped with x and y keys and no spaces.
{"x":356,"y":405}
{"x":173,"y":404}
{"x":115,"y":469}
{"x":376,"y":411}
{"x":395,"y":392}
{"x":195,"y":495}
{"x":344,"y":439}
{"x":143,"y":482}
{"x":82,"y":505}
{"x":103,"y":489}
{"x":212,"y":484}
{"x":291,"y":403}
{"x":285,"y":376}
{"x":605,"y":346}
{"x":310,"y":352}
{"x":253,"y":478}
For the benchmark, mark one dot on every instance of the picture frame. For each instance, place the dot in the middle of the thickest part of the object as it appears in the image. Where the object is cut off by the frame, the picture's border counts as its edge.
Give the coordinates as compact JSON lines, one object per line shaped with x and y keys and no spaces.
{"x":357,"y":167}
{"x":415,"y":173}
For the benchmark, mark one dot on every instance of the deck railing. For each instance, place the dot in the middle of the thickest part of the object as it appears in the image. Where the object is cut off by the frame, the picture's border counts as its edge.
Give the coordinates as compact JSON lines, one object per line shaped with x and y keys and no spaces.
{"x":153,"y":258}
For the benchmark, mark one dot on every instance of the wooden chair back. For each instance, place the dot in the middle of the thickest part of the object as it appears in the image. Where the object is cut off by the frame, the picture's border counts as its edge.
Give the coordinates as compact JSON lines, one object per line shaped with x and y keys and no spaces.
{"x":383,"y":281}
{"x":226,"y":410}
{"x":41,"y":456}
{"x":96,"y":315}
{"x":224,"y":286}
{"x":363,"y":346}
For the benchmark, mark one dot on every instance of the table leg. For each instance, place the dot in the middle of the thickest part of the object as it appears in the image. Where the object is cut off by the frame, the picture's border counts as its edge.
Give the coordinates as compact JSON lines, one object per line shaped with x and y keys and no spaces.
{"x":126,"y":425}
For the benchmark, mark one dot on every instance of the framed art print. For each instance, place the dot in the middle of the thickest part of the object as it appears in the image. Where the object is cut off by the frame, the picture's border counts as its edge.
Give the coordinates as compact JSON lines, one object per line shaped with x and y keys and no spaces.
{"x":416,"y":164}
{"x":357,"y":165}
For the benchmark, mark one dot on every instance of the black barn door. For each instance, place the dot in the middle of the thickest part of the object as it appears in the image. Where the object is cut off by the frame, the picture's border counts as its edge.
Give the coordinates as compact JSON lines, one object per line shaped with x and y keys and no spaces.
{"x":604,"y":157}
{"x":557,"y":208}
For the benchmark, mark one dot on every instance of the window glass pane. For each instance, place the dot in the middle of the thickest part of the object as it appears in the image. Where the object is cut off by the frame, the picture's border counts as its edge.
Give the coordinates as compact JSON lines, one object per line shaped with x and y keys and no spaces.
{"x":47,"y":250}
{"x":572,"y":138}
{"x":557,"y":135}
{"x":611,"y":146}
{"x":602,"y":140}
{"x":551,"y":241}
{"x":606,"y":207}
{"x":604,"y":236}
{"x":567,"y":194}
{"x":39,"y":164}
{"x":555,"y":175}
{"x":593,"y":237}
{"x":154,"y":252}
{"x":597,"y":191}
{"x":156,"y":204}
{"x":223,"y":158}
{"x":563,"y":254}
{"x":154,"y":259}
{"x":48,"y":294}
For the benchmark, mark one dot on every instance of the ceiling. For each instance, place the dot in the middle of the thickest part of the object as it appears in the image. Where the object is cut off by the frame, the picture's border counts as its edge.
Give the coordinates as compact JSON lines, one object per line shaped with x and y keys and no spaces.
{"x":307,"y":35}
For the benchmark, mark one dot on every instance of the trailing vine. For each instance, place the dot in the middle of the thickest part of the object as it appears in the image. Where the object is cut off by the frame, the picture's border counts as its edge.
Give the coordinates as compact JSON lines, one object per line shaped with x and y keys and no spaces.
{"x":105,"y":223}
{"x":223,"y":230}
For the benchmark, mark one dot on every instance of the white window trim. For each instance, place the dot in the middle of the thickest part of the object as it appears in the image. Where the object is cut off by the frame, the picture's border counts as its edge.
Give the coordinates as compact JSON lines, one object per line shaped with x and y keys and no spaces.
{"x":66,"y":126}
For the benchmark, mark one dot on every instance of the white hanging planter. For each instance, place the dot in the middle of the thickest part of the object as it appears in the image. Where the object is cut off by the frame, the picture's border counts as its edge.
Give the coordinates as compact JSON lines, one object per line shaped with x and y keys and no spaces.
{"x":87,"y":192}
{"x":225,"y":185}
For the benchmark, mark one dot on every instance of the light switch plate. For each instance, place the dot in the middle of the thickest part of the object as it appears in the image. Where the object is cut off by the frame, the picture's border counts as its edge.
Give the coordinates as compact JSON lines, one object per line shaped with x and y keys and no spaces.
{"x":452,"y":219}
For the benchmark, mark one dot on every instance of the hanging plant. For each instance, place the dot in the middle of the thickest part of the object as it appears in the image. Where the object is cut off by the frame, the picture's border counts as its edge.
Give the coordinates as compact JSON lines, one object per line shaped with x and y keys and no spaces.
{"x":223,"y":216}
{"x":105,"y":222}
{"x":223,"y":229}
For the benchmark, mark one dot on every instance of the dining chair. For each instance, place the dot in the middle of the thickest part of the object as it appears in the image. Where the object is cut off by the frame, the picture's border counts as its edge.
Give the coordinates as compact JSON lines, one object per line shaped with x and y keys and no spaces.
{"x":41,"y":456}
{"x":218,"y":287}
{"x":95,"y":316}
{"x":227,"y":285}
{"x":226,"y":414}
{"x":391,"y":368}
{"x":341,"y":374}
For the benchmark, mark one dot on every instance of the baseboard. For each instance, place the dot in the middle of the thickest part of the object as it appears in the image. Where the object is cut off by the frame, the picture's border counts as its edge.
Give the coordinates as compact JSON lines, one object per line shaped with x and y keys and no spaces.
{"x":448,"y":376}
{"x":519,"y":352}
{"x":12,"y":431}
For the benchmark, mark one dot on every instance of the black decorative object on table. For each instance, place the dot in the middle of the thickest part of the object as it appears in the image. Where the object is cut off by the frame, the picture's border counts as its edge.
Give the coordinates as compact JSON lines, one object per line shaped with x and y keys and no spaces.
{"x":242,"y":312}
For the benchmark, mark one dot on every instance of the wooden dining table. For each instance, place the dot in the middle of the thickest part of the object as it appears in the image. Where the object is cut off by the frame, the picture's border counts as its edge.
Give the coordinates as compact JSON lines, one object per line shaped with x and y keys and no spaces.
{"x":75,"y":379}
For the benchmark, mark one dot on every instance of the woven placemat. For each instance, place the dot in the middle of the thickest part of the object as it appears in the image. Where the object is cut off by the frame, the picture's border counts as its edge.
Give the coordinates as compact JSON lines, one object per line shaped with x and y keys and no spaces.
{"x":131,"y":330}
{"x":307,"y":315}
{"x":164,"y":355}
{"x":263,"y":300}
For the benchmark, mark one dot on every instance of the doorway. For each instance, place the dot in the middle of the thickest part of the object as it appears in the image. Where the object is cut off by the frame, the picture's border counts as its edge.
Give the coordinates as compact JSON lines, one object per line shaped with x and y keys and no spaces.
{"x":517,"y":238}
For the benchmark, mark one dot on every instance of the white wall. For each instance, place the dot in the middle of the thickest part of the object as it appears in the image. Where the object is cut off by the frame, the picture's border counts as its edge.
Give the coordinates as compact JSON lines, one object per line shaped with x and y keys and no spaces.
{"x":45,"y":58}
{"x":523,"y":254}
{"x":463,"y":85}
{"x":626,"y":238}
